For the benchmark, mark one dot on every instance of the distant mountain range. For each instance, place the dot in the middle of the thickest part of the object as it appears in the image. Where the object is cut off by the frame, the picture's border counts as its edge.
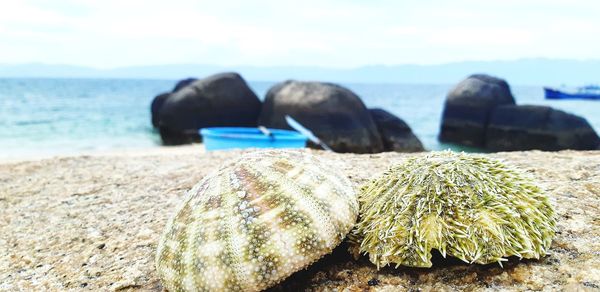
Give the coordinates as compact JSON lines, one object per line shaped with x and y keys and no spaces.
{"x":522,"y":72}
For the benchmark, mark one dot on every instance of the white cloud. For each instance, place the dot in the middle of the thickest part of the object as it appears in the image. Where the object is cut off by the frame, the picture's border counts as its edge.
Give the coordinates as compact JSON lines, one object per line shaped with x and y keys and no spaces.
{"x":267,"y":32}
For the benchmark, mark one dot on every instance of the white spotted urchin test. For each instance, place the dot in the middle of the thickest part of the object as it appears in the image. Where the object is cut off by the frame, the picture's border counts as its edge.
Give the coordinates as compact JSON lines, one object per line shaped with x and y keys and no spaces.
{"x":256,"y":221}
{"x":467,"y":206}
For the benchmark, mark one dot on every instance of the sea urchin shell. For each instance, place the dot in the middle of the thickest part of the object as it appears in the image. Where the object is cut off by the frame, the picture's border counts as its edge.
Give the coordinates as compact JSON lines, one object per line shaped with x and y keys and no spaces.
{"x":256,"y":221}
{"x":467,"y":206}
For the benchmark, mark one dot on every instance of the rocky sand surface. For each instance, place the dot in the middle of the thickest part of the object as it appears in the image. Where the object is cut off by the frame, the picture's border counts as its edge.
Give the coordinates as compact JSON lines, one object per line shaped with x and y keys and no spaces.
{"x":92,"y":222}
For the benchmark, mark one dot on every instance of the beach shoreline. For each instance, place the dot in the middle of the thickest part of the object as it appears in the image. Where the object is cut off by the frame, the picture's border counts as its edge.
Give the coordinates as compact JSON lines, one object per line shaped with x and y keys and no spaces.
{"x":92,"y":221}
{"x":132,"y":151}
{"x":88,"y":115}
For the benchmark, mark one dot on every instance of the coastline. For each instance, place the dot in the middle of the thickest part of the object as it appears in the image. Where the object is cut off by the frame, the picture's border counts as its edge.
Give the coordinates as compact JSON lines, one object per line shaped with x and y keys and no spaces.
{"x":65,"y":122}
{"x":92,"y":221}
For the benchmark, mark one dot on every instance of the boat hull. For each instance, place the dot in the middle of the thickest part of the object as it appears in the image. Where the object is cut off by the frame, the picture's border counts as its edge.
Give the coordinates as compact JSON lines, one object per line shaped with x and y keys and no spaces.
{"x":557,"y":94}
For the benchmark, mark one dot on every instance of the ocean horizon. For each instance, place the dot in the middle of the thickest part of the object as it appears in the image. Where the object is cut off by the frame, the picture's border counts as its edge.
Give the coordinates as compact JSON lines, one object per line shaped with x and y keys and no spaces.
{"x":61,"y":116}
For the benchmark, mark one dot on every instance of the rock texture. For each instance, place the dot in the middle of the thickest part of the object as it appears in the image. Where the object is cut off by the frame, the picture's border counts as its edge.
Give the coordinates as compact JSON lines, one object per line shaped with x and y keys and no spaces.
{"x":157,"y":103}
{"x":527,"y":127}
{"x":160,"y":99}
{"x":219,"y":100}
{"x":183,"y":83}
{"x":395,"y":133}
{"x":335,"y":114}
{"x":93,"y":222}
{"x":468,"y":107}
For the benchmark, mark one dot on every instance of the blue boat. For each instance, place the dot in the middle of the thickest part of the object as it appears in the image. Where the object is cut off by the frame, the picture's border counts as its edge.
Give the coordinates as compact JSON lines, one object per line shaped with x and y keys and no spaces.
{"x":586,"y":92}
{"x":220,"y":138}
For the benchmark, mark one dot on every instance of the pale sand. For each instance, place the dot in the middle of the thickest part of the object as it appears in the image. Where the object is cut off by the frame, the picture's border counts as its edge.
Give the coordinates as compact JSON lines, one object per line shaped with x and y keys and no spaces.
{"x":93,"y":221}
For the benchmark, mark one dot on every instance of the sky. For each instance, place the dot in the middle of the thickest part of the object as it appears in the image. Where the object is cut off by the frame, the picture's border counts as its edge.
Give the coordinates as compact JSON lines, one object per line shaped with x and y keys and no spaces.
{"x":337,"y":33}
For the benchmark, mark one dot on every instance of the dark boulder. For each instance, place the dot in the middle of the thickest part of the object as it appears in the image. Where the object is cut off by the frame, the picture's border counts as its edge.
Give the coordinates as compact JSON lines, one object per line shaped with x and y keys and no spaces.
{"x":335,"y":114}
{"x":157,"y":103}
{"x":514,"y":128}
{"x":395,"y":133}
{"x":468,"y":107}
{"x":218,"y":100}
{"x":183,"y":83}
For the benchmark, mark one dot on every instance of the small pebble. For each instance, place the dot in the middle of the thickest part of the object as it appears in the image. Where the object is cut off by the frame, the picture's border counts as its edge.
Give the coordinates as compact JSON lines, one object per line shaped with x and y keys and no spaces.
{"x":373,"y":282}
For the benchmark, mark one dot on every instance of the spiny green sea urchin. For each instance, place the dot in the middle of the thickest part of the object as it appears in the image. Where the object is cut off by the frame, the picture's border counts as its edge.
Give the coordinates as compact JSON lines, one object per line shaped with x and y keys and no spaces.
{"x":256,"y":221}
{"x":467,"y":206}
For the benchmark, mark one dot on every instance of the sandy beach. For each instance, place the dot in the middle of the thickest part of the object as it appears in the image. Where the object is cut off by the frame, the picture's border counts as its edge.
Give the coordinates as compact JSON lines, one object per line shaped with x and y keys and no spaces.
{"x":92,"y":222}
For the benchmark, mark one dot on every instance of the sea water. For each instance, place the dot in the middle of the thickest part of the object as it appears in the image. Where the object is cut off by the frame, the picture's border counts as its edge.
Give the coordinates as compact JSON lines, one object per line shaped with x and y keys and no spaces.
{"x":42,"y":117}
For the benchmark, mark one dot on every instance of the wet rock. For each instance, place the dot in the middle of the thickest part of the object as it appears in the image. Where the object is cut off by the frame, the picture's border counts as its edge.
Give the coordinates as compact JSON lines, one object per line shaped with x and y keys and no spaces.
{"x":334,"y":113}
{"x":527,"y":127}
{"x":183,"y":83}
{"x":395,"y":133}
{"x":157,"y":103}
{"x":468,"y":107}
{"x":218,"y":100}
{"x":159,"y":100}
